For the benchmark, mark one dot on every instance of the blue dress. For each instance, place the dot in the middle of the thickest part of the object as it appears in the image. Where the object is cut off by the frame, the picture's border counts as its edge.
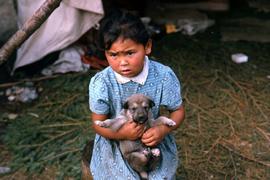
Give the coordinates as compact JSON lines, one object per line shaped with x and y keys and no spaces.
{"x":106,"y":96}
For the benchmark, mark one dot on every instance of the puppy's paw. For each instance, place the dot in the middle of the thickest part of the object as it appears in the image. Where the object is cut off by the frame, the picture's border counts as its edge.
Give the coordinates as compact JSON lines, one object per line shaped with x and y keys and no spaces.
{"x":171,"y":123}
{"x":146,"y":152}
{"x":100,"y":123}
{"x":155,"y":152}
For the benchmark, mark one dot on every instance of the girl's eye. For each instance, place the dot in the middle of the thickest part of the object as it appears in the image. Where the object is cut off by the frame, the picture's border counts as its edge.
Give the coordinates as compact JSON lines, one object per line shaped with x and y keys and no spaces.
{"x":113,"y":54}
{"x":130,"y":53}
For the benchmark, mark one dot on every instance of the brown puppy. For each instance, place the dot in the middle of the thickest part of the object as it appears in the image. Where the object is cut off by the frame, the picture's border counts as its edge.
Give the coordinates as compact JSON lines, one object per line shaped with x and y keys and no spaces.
{"x":137,"y":108}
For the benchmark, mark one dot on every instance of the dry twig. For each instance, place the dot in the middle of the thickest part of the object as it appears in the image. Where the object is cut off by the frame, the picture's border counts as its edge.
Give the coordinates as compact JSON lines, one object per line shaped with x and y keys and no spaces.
{"x":265,"y":134}
{"x":230,"y":119}
{"x":213,"y":146}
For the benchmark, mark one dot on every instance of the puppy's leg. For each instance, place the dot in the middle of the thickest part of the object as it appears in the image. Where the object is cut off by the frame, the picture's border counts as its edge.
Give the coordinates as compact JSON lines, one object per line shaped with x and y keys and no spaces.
{"x":163,"y":120}
{"x":144,"y":175}
{"x":106,"y":123}
{"x":154,"y":159}
{"x":113,"y":124}
{"x":138,"y":161}
{"x":119,"y":122}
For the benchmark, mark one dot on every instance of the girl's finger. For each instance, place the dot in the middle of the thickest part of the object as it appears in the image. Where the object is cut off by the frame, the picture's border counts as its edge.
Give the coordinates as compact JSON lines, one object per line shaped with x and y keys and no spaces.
{"x":140,"y":134}
{"x":139,"y":127}
{"x":150,"y":142}
{"x":147,"y":138}
{"x":148,"y":133}
{"x":146,"y":141}
{"x":153,"y":143}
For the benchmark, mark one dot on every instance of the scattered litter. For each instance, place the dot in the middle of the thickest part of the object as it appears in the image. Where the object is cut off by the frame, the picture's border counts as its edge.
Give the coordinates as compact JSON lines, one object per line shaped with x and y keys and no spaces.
{"x":2,"y":93}
{"x":146,"y":20}
{"x":9,"y":92}
{"x":171,"y":28}
{"x":153,"y":29}
{"x":34,"y":115}
{"x":12,"y":116}
{"x":4,"y":170}
{"x":24,"y":94}
{"x":188,"y":22}
{"x":11,"y":98}
{"x":40,"y":89}
{"x":189,"y":26}
{"x":239,"y":58}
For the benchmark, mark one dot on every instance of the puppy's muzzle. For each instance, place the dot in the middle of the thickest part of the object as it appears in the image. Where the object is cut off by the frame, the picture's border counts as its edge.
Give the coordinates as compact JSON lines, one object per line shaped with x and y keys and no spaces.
{"x":141,"y":119}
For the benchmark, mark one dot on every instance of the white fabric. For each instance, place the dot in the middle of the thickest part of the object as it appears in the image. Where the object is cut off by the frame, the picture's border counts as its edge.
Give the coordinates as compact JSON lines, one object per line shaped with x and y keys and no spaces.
{"x":140,"y":78}
{"x":64,"y":26}
{"x":69,"y":61}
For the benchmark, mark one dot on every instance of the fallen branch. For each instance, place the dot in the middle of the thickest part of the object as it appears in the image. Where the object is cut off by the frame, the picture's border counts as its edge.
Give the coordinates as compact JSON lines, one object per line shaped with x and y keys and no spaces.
{"x":29,"y":27}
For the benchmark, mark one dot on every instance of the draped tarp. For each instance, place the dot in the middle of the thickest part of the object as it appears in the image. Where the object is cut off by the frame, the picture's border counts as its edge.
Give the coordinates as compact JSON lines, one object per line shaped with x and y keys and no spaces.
{"x":64,"y":26}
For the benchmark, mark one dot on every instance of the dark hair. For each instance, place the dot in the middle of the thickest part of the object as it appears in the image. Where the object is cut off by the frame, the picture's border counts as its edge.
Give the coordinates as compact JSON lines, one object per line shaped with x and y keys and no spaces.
{"x":121,"y":24}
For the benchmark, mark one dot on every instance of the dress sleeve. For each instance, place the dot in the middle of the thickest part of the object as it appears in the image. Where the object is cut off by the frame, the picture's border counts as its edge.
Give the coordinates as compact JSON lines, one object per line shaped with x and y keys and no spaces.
{"x":98,"y":95}
{"x":171,"y":93}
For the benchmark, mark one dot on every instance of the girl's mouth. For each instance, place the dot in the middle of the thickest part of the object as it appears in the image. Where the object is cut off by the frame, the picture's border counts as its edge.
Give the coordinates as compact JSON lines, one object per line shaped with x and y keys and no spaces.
{"x":127,"y":71}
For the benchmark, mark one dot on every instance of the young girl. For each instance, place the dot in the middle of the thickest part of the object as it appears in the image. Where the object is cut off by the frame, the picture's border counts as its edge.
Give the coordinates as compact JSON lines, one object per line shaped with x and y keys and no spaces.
{"x":126,"y":45}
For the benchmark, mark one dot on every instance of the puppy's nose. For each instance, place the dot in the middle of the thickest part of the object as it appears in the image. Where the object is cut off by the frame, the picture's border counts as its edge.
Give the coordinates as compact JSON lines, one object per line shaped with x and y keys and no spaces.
{"x":142,"y":119}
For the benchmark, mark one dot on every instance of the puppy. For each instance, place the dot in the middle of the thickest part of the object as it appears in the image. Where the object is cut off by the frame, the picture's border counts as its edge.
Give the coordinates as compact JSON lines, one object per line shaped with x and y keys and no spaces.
{"x":137,"y":108}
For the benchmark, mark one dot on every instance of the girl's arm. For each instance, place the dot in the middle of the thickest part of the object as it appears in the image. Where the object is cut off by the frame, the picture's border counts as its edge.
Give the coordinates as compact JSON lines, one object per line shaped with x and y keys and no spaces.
{"x":129,"y":131}
{"x":155,"y":135}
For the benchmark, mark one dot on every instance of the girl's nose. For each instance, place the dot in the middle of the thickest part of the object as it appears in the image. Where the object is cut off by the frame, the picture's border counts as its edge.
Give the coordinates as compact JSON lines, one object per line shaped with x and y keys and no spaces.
{"x":123,"y":61}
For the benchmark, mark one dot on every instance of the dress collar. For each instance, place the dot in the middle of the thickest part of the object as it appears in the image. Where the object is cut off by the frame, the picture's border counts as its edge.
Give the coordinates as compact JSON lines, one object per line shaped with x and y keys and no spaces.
{"x":140,"y":78}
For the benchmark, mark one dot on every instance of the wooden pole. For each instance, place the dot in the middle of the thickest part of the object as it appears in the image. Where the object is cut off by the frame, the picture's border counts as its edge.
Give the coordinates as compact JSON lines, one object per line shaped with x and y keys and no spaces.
{"x":29,"y":27}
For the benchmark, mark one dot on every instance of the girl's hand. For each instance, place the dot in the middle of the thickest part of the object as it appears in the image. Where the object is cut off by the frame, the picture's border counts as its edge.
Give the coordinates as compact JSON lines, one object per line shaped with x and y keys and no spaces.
{"x":154,"y":135}
{"x":131,"y":131}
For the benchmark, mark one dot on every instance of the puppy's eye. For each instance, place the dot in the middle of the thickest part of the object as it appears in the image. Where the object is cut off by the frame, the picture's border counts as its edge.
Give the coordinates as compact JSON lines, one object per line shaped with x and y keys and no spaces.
{"x":146,"y":108}
{"x":133,"y":109}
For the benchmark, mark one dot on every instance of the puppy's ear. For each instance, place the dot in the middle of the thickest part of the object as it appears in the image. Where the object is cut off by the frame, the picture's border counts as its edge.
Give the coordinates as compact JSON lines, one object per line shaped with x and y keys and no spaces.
{"x":125,"y":106}
{"x":151,"y":103}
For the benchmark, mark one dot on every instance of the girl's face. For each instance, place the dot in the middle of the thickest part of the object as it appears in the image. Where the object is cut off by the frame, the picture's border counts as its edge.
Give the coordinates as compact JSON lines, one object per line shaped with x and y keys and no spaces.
{"x":126,"y":57}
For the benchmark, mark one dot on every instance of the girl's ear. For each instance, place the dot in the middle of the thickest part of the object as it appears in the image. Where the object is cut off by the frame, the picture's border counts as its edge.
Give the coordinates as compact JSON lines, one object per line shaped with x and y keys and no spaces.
{"x":148,"y":47}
